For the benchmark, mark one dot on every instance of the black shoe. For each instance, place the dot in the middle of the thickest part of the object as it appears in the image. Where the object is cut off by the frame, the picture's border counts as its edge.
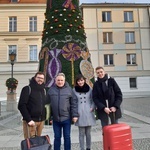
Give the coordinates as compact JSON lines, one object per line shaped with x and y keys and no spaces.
{"x":88,"y":149}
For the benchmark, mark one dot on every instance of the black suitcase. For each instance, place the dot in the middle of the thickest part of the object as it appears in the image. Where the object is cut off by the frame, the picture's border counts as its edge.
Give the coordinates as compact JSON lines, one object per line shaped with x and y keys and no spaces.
{"x":36,"y":143}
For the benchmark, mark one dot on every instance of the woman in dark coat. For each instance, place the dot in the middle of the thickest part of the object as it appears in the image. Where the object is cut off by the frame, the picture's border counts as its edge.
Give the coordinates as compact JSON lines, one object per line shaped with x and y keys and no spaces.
{"x":107,"y":97}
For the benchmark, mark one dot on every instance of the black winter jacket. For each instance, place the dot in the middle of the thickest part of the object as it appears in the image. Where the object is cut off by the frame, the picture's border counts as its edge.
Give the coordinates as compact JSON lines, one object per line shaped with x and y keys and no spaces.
{"x":32,"y":102}
{"x":114,"y":96}
{"x":64,"y":103}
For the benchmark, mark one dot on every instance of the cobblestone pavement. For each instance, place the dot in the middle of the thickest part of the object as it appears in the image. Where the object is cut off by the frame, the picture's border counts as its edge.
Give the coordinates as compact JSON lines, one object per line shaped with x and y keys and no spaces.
{"x":11,"y":128}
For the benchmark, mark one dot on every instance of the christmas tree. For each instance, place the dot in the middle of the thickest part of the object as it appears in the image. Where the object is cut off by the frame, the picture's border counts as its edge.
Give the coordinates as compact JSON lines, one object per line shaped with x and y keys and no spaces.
{"x":64,"y":48}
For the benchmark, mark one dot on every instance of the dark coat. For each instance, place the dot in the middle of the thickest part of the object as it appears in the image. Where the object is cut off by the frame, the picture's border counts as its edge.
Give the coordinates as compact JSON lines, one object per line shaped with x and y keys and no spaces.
{"x":32,"y":102}
{"x":64,"y":103}
{"x":114,"y":98}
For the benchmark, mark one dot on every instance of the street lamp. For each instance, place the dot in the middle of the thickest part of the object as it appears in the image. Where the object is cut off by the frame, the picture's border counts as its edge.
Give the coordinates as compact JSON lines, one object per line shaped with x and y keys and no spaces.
{"x":12,"y":57}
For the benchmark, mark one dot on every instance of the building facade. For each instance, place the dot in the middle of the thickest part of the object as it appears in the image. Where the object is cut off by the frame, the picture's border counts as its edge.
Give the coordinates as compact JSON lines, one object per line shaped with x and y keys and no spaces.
{"x":21,"y":25}
{"x":118,"y":37}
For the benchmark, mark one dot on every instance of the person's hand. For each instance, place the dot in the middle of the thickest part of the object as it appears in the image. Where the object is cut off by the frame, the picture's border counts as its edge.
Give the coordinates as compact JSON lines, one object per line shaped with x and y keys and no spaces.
{"x":107,"y":110}
{"x":91,"y":109}
{"x":74,"y":119}
{"x":51,"y":122}
{"x":113,"y":109}
{"x":31,"y":123}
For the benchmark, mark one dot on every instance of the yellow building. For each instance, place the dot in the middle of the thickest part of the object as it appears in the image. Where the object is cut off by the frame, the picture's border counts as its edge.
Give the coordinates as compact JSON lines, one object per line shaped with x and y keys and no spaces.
{"x":118,"y":37}
{"x":21,"y":25}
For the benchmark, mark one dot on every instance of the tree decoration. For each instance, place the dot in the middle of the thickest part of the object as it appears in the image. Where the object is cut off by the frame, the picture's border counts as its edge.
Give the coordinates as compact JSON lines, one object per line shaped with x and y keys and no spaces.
{"x":86,"y":67}
{"x":63,"y":31}
{"x":68,"y":4}
{"x":71,"y":52}
{"x":54,"y":66}
{"x":70,"y":25}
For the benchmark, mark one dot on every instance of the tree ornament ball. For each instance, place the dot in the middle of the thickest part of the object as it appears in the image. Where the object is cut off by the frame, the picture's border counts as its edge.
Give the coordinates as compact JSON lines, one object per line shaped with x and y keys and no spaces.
{"x":56,"y":20}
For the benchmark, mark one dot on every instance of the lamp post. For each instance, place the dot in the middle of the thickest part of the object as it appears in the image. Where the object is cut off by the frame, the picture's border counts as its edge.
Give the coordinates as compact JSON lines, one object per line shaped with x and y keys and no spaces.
{"x":12,"y":57}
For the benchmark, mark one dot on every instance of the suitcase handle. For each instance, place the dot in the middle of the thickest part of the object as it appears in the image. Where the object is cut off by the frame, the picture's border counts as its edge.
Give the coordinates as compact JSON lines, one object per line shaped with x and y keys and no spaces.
{"x":113,"y":113}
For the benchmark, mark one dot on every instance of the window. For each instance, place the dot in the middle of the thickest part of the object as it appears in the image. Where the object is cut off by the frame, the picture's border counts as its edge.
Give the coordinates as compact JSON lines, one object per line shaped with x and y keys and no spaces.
{"x":14,"y":1}
{"x":132,"y":82}
{"x":33,"y":52}
{"x":106,"y":16}
{"x":32,"y":24}
{"x":131,"y":59}
{"x":12,"y":24}
{"x":129,"y":37}
{"x":107,"y":37}
{"x":12,"y":49}
{"x":108,"y":59}
{"x":128,"y":16}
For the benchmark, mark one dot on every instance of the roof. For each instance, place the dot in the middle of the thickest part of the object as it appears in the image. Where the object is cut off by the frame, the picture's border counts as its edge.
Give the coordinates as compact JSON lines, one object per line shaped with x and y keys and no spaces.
{"x":115,"y":4}
{"x":23,"y":2}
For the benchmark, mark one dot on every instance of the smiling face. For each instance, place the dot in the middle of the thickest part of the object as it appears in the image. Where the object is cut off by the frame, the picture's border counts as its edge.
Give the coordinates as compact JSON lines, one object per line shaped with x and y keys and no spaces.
{"x":39,"y":78}
{"x":81,"y":82}
{"x":100,"y":73}
{"x":60,"y":81}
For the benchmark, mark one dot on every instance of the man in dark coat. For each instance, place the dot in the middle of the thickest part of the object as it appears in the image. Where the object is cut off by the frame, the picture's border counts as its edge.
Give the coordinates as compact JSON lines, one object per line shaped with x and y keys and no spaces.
{"x":107,"y":97}
{"x":32,"y":106}
{"x":64,"y":107}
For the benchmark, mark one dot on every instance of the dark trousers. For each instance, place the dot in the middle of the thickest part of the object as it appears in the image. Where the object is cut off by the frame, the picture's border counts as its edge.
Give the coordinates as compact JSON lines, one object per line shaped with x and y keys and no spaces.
{"x":58,"y":127}
{"x":111,"y":119}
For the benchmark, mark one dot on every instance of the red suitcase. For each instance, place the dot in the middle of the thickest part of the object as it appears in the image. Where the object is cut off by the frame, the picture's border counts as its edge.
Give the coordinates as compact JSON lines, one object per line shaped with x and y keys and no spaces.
{"x":117,"y":137}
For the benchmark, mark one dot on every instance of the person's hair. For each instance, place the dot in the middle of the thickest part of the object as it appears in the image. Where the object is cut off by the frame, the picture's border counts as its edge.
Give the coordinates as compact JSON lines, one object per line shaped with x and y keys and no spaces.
{"x":79,"y":77}
{"x":39,"y":72}
{"x":61,"y":74}
{"x":99,"y":67}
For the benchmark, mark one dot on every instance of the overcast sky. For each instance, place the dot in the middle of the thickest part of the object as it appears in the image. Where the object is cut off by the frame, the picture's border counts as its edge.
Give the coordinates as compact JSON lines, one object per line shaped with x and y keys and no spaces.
{"x":114,"y":1}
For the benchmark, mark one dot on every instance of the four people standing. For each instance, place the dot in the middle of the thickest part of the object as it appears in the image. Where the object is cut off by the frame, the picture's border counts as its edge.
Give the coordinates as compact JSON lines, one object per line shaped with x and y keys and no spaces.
{"x":70,"y":105}
{"x":86,"y":111}
{"x":107,"y":97}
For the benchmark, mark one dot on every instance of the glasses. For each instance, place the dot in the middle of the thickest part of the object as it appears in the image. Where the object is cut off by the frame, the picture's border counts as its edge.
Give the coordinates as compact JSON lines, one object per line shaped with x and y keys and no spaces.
{"x":40,"y":78}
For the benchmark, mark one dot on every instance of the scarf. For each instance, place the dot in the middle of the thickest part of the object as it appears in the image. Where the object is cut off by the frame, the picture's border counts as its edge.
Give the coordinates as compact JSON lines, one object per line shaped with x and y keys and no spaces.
{"x":102,"y":84}
{"x":85,"y":88}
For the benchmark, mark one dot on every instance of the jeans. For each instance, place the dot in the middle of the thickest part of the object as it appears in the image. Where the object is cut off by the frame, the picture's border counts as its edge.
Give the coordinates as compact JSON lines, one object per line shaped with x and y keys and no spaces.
{"x":57,"y":127}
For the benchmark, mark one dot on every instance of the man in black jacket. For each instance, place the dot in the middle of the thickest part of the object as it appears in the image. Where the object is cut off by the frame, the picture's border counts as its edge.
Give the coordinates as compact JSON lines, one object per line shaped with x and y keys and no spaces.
{"x":107,"y":97}
{"x":32,"y":106}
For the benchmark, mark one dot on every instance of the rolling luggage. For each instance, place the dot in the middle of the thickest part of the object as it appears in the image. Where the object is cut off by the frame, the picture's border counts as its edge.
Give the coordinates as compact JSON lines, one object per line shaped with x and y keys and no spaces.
{"x":36,"y":143}
{"x":117,"y":137}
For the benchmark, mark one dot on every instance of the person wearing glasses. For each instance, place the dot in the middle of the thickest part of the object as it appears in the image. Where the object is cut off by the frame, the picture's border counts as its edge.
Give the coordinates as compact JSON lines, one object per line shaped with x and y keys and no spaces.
{"x":107,"y":97}
{"x":32,"y":106}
